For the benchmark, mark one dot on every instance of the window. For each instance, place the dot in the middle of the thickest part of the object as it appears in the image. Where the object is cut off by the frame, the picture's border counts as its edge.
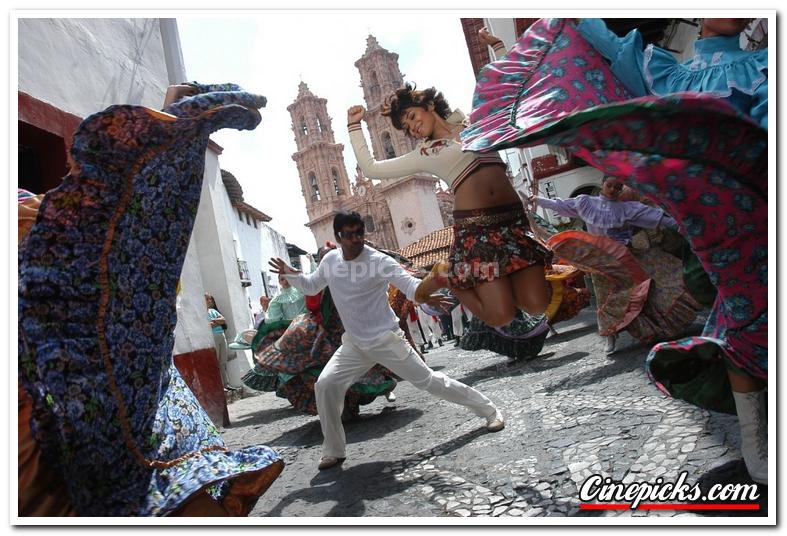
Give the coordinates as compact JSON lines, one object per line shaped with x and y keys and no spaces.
{"x":315,"y":188}
{"x":388,"y":147}
{"x":248,"y":221}
{"x":368,"y":223}
{"x":374,"y":86}
{"x":255,"y":222}
{"x":240,"y":215}
{"x":319,"y":125}
{"x":335,"y":176}
{"x":304,"y":128}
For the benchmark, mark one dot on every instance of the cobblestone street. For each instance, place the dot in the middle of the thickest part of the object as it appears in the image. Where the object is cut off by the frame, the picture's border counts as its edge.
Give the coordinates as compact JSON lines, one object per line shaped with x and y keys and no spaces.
{"x":570,"y":412}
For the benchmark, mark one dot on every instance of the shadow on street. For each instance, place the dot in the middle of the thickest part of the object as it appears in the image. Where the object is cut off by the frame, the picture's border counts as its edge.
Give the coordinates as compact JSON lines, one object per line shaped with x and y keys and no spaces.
{"x":363,"y":428}
{"x":265,"y":416}
{"x":620,"y":365}
{"x":350,"y":485}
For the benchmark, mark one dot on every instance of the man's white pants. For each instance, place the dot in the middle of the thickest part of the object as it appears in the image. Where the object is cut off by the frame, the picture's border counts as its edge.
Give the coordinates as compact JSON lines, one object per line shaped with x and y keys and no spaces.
{"x":456,"y":318}
{"x":395,"y":353}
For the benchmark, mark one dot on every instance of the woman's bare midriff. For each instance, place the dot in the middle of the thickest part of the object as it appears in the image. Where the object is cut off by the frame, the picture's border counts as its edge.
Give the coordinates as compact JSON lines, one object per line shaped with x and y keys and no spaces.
{"x":487,"y":186}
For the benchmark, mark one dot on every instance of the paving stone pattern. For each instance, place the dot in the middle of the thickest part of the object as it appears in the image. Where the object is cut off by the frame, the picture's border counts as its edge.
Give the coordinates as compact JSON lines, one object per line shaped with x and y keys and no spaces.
{"x":570,"y":412}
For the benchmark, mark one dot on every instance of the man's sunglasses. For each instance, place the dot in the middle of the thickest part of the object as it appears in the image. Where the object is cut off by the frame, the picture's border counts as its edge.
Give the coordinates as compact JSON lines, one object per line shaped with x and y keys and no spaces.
{"x":349,"y":235}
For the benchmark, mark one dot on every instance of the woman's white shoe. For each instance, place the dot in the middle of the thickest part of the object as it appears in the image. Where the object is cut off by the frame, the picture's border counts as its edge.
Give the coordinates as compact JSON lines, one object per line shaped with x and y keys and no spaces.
{"x":609,"y":349}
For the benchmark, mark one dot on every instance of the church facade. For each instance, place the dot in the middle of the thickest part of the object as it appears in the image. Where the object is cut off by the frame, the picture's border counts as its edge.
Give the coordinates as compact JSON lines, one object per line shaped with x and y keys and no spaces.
{"x":396,"y":212}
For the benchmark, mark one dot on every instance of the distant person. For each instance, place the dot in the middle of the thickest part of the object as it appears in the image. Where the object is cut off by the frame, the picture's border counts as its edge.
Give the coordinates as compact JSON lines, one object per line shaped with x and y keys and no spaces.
{"x":259,"y":316}
{"x":218,"y":325}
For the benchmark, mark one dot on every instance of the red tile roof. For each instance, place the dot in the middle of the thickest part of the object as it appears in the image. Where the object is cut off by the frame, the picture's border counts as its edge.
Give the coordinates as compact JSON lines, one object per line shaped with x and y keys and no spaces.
{"x":430,"y":249}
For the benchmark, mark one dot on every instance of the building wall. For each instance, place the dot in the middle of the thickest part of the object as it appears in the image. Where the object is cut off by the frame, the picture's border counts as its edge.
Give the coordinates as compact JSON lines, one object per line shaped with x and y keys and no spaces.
{"x":414,"y":210}
{"x":323,"y":231}
{"x":248,"y":247}
{"x":215,"y":241}
{"x":71,"y":68}
{"x":272,"y":245}
{"x":84,"y":65}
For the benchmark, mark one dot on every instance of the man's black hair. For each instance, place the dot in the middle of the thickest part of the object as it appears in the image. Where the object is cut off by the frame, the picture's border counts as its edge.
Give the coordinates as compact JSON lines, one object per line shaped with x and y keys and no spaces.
{"x":346,"y":219}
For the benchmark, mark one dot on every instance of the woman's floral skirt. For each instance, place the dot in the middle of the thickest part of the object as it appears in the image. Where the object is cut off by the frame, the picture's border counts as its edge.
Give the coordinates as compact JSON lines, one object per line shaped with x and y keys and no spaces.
{"x":492,"y":243}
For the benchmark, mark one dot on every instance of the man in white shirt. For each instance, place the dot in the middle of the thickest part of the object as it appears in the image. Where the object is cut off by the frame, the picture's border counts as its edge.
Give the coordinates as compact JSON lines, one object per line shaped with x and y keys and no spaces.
{"x":358,"y":277}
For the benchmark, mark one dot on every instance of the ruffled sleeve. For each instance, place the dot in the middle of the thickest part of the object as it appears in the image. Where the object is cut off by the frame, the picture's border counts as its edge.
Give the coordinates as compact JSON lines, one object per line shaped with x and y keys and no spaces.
{"x":759,"y":101}
{"x":739,"y":76}
{"x":625,"y":54}
{"x":561,"y":207}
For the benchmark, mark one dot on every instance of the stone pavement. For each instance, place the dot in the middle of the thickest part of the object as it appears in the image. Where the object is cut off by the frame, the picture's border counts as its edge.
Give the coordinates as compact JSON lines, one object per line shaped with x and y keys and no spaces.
{"x":570,"y":412}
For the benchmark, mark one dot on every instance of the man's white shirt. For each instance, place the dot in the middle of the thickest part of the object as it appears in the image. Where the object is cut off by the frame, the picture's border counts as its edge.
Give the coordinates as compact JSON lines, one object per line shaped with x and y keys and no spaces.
{"x":359,"y":289}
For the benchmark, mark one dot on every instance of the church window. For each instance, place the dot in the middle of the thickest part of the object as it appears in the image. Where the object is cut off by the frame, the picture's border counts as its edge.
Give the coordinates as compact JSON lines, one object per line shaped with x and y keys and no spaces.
{"x":304,"y":128}
{"x":319,"y":124}
{"x":374,"y":87}
{"x":368,"y":223}
{"x":315,"y":188}
{"x":388,"y":147}
{"x":335,"y":177}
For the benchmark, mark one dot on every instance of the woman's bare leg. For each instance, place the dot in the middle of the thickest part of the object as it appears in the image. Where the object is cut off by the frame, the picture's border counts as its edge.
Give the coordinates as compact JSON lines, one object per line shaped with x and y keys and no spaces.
{"x":530,"y":289}
{"x":744,"y":384}
{"x":492,"y":302}
{"x":201,"y":505}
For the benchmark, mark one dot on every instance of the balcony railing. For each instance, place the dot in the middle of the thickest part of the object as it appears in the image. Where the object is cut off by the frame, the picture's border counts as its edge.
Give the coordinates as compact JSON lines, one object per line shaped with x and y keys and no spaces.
{"x":243,"y":272}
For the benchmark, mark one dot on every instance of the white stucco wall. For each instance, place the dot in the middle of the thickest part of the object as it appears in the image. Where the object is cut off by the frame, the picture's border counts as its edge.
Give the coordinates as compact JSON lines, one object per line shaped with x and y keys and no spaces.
{"x":213,"y":236}
{"x":272,"y":245}
{"x":414,"y":200}
{"x":84,"y":65}
{"x":503,"y":28}
{"x":192,"y":331}
{"x":257,"y":246}
{"x":323,"y":232}
{"x":247,"y":244}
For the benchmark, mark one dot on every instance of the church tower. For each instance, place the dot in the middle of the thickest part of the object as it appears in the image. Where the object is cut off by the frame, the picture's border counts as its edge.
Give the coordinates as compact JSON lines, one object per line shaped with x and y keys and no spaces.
{"x":324,"y":182}
{"x":380,"y":77}
{"x":411,"y":200}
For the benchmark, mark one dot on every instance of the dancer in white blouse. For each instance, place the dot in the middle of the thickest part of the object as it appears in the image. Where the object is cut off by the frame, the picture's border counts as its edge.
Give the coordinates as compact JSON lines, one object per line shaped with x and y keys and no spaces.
{"x":494,"y":267}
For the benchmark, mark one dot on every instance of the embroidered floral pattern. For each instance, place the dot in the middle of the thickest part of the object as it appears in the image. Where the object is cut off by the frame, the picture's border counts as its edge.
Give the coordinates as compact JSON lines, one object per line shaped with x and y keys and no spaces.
{"x":97,"y":285}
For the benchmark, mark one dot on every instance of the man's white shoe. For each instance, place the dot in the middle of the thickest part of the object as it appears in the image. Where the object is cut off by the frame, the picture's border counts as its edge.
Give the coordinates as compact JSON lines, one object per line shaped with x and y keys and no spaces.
{"x":495,"y":422}
{"x":753,"y":420}
{"x":390,"y":397}
{"x":610,"y":348}
{"x":326,"y":462}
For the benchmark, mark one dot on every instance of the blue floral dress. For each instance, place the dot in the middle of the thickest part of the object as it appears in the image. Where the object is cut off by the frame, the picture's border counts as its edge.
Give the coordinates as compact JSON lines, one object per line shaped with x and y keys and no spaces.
{"x":97,"y":285}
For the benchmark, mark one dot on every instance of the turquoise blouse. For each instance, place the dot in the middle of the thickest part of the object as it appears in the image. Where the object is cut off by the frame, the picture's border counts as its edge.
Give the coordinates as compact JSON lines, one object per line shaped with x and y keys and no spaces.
{"x":286,"y":306}
{"x":719,"y":67}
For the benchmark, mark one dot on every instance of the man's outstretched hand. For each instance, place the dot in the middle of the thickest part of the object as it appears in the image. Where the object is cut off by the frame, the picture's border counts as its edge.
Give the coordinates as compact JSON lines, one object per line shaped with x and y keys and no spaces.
{"x":442,"y":302}
{"x":278,"y":266}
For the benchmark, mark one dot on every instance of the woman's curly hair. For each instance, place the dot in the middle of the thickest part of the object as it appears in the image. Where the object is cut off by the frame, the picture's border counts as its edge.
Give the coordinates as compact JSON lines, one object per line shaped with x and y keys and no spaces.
{"x":407,"y":97}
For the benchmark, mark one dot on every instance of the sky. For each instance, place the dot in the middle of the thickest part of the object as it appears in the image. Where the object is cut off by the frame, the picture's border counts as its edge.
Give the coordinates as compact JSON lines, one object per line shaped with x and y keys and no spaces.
{"x":270,"y":53}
